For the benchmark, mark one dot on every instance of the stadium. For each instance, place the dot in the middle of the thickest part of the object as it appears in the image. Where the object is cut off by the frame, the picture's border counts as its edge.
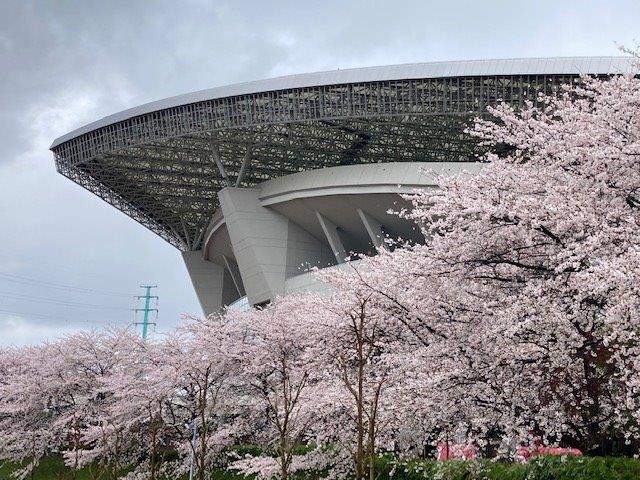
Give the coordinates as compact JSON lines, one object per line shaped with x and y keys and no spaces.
{"x":258,"y":182}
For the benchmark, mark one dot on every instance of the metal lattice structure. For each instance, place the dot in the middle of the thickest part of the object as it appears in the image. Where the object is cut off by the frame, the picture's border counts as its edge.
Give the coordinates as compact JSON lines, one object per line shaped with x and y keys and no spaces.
{"x":163,"y":167}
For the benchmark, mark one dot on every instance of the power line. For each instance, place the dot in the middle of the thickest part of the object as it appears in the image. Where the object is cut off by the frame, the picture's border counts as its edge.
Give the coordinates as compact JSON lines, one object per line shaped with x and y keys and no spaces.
{"x":55,"y":301}
{"x":34,"y":282}
{"x":61,"y":286}
{"x":39,"y":316}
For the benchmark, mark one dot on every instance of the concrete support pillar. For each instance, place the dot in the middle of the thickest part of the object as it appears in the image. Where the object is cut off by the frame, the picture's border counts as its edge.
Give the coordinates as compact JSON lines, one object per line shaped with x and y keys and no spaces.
{"x":234,"y":272}
{"x":267,"y":246}
{"x":212,"y":282}
{"x":246,"y":160}
{"x":333,"y":237}
{"x":373,"y":227}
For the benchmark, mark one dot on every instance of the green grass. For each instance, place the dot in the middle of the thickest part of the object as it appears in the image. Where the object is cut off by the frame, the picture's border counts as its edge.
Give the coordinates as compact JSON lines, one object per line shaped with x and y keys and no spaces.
{"x":53,"y":468}
{"x":547,"y":468}
{"x":543,"y":468}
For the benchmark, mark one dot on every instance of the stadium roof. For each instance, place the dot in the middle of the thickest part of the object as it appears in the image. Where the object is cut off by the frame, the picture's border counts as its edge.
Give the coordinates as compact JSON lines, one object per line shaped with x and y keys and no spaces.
{"x":163,"y":162}
{"x":462,"y":68}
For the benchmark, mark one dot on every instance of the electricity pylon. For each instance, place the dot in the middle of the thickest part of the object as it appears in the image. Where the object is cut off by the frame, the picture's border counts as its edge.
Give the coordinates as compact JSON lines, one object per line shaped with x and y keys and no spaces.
{"x":147,"y":304}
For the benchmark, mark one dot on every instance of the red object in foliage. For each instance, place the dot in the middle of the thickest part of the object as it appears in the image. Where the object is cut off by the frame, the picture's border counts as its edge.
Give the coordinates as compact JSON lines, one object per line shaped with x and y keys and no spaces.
{"x":526,"y":453}
{"x":459,"y":451}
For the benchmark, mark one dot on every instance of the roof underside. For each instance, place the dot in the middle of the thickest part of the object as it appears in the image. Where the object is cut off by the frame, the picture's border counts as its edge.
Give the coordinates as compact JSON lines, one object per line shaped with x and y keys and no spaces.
{"x":164,"y":168}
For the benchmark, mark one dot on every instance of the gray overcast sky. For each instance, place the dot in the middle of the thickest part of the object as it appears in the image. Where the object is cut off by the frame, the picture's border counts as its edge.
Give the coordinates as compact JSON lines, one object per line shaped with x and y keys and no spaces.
{"x":66,"y":63}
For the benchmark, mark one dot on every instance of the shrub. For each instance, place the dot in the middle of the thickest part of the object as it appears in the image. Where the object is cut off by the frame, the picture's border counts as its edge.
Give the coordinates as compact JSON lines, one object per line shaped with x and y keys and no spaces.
{"x":541,"y":468}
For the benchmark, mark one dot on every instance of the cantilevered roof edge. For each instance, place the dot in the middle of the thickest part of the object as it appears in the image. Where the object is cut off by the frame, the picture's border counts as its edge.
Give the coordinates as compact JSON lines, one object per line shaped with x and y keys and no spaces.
{"x":515,"y":66}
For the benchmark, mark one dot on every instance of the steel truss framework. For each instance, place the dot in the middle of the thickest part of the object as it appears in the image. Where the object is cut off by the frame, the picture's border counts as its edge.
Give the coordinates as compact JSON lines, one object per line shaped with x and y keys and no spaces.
{"x":164,"y":168}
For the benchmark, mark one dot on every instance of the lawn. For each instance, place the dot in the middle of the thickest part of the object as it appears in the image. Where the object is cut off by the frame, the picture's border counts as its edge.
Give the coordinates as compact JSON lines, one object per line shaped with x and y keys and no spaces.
{"x":53,"y":468}
{"x":548,"y":468}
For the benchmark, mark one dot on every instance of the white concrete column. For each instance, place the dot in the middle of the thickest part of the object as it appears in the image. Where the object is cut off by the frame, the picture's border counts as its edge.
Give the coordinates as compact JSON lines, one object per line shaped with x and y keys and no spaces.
{"x":234,"y":271}
{"x":373,"y":227}
{"x":268,"y":248}
{"x":213,"y":285}
{"x":333,"y":237}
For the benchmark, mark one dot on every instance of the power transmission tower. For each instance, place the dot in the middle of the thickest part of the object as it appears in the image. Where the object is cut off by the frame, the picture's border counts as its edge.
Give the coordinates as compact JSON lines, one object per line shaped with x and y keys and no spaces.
{"x":147,"y":304}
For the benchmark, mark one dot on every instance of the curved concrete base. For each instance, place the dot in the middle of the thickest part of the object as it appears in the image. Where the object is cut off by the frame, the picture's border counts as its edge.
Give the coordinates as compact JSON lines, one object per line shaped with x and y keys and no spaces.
{"x":263,"y":239}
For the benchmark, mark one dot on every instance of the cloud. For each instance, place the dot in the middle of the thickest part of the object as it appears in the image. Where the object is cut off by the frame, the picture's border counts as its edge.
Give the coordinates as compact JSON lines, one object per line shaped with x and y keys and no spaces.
{"x":71,"y":107}
{"x":19,"y":331}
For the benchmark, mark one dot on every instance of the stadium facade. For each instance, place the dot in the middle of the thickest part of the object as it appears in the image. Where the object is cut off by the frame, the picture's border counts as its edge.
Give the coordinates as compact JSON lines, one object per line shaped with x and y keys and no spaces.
{"x":257,"y":182}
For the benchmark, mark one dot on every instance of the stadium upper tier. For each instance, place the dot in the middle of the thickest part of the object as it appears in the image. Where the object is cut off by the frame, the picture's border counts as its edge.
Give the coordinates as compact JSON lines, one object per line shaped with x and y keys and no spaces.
{"x":164,"y":162}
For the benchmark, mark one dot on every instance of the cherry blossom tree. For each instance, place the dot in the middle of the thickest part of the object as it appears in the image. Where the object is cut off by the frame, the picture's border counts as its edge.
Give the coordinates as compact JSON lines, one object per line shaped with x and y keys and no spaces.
{"x":53,"y":392}
{"x":278,"y":382}
{"x":200,"y":363}
{"x":525,"y":297}
{"x":360,"y":350}
{"x":137,"y":425}
{"x":77,"y":375}
{"x":25,"y":420}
